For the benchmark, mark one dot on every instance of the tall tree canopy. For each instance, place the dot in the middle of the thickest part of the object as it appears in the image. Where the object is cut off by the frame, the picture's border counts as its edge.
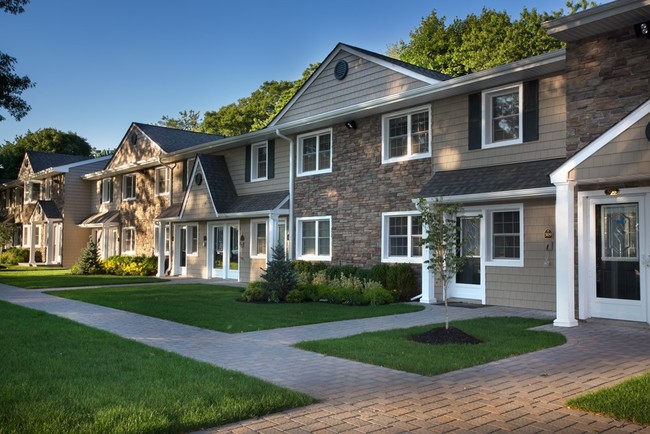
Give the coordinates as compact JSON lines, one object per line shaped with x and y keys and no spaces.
{"x":11,"y":84}
{"x":187,"y":120}
{"x":44,"y":140}
{"x":479,"y":42}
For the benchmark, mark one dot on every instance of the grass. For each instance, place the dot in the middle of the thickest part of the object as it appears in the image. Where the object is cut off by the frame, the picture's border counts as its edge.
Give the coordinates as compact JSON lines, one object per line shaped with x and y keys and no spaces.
{"x":55,"y":277}
{"x":217,"y":307}
{"x":59,"y":376}
{"x":628,"y":401}
{"x":502,"y":338}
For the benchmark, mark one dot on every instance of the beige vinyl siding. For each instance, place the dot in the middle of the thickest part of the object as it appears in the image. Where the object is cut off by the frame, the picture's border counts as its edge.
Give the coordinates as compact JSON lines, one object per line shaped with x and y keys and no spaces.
{"x":531,"y":286}
{"x":625,"y":157}
{"x":197,"y":264}
{"x":143,"y":150}
{"x":450,"y":132}
{"x":365,"y":81}
{"x":199,"y":204}
{"x":236,"y":161}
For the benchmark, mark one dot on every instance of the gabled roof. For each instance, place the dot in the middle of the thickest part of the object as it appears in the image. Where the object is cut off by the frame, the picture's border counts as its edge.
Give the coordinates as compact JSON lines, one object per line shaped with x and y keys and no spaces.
{"x":45,"y":160}
{"x":481,"y":181}
{"x":172,"y":139}
{"x":50,"y":210}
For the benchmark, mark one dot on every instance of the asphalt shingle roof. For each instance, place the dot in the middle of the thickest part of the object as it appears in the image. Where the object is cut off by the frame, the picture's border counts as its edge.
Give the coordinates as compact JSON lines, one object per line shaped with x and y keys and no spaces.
{"x":50,"y":210}
{"x":45,"y":160}
{"x":519,"y":176}
{"x":172,"y":139}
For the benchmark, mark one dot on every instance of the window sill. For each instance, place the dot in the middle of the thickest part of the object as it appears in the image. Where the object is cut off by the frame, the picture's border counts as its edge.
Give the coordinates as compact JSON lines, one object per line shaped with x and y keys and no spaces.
{"x":502,"y":144}
{"x":406,"y":158}
{"x":314,"y":258}
{"x":259,"y":179}
{"x":518,"y":263}
{"x":401,"y":260}
{"x":313,"y":172}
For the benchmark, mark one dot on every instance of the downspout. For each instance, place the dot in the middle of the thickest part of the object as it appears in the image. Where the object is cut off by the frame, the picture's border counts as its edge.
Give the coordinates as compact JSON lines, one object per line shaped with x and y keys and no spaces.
{"x":162,"y":228}
{"x":291,"y":182}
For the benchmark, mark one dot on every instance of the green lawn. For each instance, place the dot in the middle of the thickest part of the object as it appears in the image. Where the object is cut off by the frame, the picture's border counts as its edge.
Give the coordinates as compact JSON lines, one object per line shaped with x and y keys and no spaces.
{"x":217,"y":307}
{"x":54,"y":277}
{"x":59,"y":377}
{"x":502,"y":338}
{"x":628,"y":401}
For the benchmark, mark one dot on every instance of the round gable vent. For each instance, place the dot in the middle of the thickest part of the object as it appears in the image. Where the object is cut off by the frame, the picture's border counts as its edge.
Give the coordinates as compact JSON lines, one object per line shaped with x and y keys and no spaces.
{"x":341,"y":70}
{"x":647,"y":131}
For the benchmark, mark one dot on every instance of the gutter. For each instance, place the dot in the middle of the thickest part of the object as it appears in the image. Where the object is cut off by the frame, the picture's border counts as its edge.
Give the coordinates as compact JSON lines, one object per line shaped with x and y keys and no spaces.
{"x":291,"y":182}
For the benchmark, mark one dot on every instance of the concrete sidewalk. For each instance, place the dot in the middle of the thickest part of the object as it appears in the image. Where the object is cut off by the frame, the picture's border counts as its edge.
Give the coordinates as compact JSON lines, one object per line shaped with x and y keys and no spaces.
{"x":521,"y":394}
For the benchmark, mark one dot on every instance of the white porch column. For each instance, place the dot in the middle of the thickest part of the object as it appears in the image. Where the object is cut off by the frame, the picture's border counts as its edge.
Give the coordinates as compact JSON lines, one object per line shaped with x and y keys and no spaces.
{"x":161,"y":249}
{"x":31,"y":244}
{"x":49,"y":239}
{"x":428,"y":281}
{"x":272,"y":234}
{"x":565,"y":255}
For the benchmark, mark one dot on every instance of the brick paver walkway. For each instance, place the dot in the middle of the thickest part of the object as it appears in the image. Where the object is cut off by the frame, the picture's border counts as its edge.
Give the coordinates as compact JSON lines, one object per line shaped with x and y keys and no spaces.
{"x":520,"y":394}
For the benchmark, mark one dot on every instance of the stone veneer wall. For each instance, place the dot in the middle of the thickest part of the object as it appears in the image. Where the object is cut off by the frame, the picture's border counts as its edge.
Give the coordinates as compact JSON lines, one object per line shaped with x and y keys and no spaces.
{"x":358,"y":190}
{"x":608,"y":76}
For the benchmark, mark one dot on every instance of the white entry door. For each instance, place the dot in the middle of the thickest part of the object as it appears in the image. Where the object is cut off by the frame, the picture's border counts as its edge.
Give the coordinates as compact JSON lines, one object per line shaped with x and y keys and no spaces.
{"x":469,"y":283}
{"x":223,"y":255}
{"x":618,"y":257}
{"x":57,"y":242}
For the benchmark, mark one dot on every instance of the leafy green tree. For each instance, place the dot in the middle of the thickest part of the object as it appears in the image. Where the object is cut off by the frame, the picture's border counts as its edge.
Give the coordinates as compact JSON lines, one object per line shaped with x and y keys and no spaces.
{"x":444,"y":241}
{"x":479,"y":42}
{"x":187,"y":120}
{"x":44,"y":140}
{"x":11,"y":84}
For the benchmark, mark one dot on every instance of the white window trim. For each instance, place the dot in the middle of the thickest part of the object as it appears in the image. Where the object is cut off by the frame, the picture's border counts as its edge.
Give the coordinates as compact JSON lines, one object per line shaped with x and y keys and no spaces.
{"x":385,"y":136}
{"x":489,"y":236}
{"x":123,"y":241}
{"x":38,"y":234}
{"x":124,"y":192}
{"x":28,"y":192}
{"x":27,"y":235}
{"x":253,"y":162}
{"x":253,"y":243}
{"x":300,"y":139}
{"x":104,"y":190}
{"x":486,"y":116}
{"x":299,"y":254}
{"x":385,"y":247}
{"x":189,"y":229}
{"x":157,"y":172}
{"x":188,"y":170}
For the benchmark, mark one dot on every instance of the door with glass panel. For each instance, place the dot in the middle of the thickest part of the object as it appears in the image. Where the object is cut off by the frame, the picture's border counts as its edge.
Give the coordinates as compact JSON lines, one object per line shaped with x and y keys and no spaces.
{"x":223,"y":256}
{"x":620,"y":259}
{"x":469,"y":281}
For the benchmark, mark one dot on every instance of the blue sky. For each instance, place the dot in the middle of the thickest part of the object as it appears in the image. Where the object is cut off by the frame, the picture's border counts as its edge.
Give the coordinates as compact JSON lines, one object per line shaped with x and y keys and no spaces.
{"x":100,"y":65}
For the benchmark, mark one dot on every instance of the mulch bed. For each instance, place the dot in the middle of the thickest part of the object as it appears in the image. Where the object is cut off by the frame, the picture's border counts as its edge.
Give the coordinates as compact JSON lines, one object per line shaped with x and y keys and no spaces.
{"x":441,"y":335}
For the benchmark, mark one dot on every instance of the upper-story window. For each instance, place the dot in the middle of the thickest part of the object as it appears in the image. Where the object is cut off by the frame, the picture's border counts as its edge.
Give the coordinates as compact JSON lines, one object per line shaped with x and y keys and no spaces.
{"x":106,"y":190}
{"x":259,"y":162}
{"x":33,"y":191}
{"x":503,"y":116}
{"x":406,"y":135}
{"x":315,"y":153}
{"x":162,"y":180}
{"x":128,"y":187}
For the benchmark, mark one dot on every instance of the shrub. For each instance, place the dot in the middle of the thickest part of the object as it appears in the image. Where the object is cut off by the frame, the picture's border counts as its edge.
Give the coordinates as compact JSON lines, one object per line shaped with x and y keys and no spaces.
{"x":335,"y":271}
{"x":379,"y":273}
{"x":374,"y":294}
{"x":254,"y":292}
{"x":14,"y":255}
{"x":400,"y":278}
{"x":295,"y":296}
{"x":131,"y":265}
{"x":319,"y":278}
{"x":279,"y":276}
{"x":88,"y":262}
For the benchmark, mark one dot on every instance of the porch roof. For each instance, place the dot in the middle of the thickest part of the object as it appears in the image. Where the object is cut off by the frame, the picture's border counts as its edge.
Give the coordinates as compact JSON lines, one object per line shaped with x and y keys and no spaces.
{"x":50,"y":210}
{"x":100,"y":219}
{"x":531,"y":175}
{"x":170,"y":213}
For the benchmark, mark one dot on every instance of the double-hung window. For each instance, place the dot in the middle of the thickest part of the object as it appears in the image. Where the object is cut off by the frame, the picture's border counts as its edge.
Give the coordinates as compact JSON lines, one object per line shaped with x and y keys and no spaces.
{"x":128,"y":241}
{"x":315,"y":153}
{"x":314,"y":238}
{"x":259,"y":163}
{"x":406,"y":135}
{"x":258,"y":238}
{"x":128,"y":187}
{"x":506,"y":236}
{"x":401,"y":237}
{"x":33,"y":191}
{"x":193,"y":240}
{"x":162,"y":181}
{"x":502,"y":115}
{"x":106,"y":190}
{"x":156,"y":236}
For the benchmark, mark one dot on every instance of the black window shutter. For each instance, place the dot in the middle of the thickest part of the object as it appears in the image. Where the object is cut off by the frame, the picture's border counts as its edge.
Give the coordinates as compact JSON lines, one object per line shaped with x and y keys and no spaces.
{"x":186,"y":169}
{"x":247,"y":176}
{"x":531,"y":111}
{"x":101,"y":191}
{"x":270,"y":155}
{"x":474,"y":124}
